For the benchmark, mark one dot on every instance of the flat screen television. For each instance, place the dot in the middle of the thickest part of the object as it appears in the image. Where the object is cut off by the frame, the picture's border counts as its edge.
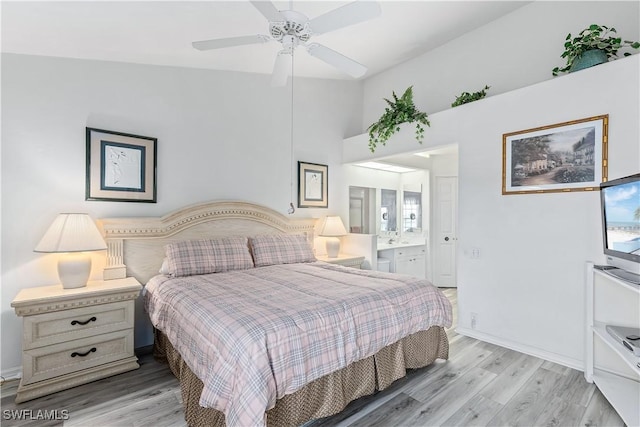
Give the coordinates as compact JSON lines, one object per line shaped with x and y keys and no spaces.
{"x":620,"y":202}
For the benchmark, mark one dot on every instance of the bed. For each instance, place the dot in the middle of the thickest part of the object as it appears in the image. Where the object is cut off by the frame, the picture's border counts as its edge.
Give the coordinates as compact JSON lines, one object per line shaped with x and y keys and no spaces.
{"x":255,"y":329}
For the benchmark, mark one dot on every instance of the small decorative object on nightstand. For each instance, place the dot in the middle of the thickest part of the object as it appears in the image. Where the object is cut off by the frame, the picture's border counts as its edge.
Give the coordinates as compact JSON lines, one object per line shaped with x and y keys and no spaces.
{"x":347,"y":260}
{"x":333,"y":229}
{"x":75,"y":336}
{"x":76,"y":234}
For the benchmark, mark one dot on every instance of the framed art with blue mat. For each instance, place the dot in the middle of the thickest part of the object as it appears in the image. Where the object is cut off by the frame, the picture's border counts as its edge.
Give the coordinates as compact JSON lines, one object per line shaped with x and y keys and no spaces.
{"x":121,"y":167}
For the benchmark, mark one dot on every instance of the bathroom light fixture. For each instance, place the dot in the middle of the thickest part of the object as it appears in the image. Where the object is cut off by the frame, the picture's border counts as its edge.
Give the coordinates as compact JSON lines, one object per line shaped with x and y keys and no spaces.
{"x":384,"y":167}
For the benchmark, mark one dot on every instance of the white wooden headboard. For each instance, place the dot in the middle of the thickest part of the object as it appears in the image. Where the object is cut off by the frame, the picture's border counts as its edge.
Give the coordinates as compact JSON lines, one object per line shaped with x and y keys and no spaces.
{"x":135,"y":246}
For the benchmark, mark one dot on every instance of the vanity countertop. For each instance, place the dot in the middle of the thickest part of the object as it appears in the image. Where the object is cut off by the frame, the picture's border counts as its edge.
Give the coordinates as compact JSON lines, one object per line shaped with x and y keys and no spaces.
{"x":400,"y":244}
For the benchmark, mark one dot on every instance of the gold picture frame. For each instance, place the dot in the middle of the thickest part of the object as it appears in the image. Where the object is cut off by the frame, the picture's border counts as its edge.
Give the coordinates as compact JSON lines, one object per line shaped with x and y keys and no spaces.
{"x":564,"y":157}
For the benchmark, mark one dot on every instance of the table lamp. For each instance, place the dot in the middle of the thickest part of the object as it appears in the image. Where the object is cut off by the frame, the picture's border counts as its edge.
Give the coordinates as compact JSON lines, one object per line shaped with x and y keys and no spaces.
{"x":73,"y":234}
{"x":332,"y":229}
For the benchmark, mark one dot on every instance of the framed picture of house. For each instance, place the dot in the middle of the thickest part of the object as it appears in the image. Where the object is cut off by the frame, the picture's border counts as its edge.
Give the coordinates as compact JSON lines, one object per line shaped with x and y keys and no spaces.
{"x":565,"y":157}
{"x":313,"y":181}
{"x":120,"y":167}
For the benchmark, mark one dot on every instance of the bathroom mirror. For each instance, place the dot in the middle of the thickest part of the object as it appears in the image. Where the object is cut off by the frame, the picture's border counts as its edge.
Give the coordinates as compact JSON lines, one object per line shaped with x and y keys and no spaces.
{"x":412,"y":208}
{"x":362,"y":203}
{"x":388,"y":210}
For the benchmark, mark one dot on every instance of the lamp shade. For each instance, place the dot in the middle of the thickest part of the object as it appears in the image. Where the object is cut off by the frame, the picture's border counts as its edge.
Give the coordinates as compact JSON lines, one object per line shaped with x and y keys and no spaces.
{"x":72,"y":232}
{"x":333,"y":227}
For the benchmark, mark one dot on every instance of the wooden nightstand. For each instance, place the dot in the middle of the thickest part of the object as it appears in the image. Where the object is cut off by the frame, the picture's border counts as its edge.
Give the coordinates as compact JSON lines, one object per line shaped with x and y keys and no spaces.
{"x":75,"y":336}
{"x":343,"y":259}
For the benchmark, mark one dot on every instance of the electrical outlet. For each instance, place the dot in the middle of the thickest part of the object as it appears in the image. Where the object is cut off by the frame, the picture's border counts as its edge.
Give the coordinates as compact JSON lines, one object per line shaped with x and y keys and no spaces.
{"x":474,"y":320}
{"x":475,"y":253}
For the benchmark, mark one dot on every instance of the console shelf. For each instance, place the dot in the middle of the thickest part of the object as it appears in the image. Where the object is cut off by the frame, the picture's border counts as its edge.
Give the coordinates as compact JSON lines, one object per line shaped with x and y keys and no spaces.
{"x":612,"y":367}
{"x":622,"y":393}
{"x":628,"y":357}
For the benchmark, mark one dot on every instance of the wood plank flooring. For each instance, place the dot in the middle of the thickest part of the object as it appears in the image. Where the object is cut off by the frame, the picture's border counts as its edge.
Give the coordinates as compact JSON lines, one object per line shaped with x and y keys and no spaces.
{"x":480,"y":385}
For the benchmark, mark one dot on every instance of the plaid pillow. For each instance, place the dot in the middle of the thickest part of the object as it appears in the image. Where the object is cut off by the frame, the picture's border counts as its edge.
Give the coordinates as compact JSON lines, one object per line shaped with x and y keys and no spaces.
{"x":281,"y":249}
{"x":191,"y":257}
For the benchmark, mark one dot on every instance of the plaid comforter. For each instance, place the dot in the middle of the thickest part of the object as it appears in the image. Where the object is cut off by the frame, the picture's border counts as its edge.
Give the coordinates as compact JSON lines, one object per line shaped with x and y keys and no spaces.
{"x":255,"y":335}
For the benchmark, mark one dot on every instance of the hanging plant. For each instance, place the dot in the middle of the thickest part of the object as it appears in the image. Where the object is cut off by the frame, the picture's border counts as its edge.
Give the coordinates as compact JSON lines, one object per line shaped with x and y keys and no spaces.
{"x":400,"y":110}
{"x":596,"y":38}
{"x":466,"y":97}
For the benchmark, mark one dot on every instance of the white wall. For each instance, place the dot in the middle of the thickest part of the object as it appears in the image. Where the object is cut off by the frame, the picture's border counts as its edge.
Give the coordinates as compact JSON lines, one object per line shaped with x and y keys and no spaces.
{"x":517,"y":50}
{"x":221,"y":135}
{"x":527,"y":286}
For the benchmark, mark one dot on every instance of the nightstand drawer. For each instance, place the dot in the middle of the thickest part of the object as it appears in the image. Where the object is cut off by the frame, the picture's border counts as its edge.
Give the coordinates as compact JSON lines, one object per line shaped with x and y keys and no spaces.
{"x":52,"y":361}
{"x":60,"y":326}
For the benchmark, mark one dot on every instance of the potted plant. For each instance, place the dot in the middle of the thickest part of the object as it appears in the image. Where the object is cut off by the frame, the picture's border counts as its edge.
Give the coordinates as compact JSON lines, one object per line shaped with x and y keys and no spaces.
{"x":466,"y":97}
{"x":400,"y":110}
{"x":592,"y":46}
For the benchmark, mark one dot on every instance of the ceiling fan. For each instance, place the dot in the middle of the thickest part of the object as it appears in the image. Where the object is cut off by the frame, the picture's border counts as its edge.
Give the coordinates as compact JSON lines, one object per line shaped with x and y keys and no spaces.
{"x":293,"y":29}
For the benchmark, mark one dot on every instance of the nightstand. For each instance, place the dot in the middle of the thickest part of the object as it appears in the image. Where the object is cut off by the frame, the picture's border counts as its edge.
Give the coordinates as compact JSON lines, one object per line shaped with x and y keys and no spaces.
{"x":75,"y":336}
{"x":343,"y":259}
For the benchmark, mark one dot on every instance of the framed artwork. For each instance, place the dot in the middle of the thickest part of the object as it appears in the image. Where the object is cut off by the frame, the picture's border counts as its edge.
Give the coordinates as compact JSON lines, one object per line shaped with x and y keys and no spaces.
{"x":569,"y":156}
{"x":312,"y":185}
{"x":120,"y":167}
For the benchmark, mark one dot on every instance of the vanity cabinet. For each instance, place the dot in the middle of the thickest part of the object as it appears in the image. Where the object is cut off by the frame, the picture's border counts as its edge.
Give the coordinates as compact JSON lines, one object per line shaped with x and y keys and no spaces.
{"x":411,"y":260}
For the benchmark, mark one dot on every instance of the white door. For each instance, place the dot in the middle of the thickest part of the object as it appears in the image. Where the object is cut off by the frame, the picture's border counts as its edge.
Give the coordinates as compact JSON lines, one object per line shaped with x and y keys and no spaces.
{"x":444,"y":236}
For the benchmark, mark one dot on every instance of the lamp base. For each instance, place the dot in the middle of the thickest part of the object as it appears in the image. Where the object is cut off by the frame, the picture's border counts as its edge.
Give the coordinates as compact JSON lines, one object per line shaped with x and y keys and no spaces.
{"x":333,"y":247}
{"x":74,"y":270}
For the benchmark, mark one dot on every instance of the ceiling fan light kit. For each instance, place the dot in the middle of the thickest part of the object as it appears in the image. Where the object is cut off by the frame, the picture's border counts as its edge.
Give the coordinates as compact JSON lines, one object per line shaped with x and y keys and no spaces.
{"x":292,"y":29}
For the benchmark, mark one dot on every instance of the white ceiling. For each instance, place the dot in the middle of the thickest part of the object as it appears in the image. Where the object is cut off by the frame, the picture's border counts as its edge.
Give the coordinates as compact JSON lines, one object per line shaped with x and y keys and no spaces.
{"x":161,"y":32}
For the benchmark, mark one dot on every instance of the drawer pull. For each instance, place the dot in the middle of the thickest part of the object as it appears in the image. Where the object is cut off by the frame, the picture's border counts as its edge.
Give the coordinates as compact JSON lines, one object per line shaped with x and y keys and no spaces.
{"x":75,"y":353}
{"x":78,"y":322}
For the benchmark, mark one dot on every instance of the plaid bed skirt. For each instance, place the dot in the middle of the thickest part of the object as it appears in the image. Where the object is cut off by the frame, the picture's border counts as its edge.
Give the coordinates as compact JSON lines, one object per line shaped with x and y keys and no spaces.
{"x":325,"y":396}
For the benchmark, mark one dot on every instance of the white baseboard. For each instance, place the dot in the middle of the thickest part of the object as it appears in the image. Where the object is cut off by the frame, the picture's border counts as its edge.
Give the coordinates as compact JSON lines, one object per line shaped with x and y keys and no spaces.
{"x":523,"y":348}
{"x":12,"y":374}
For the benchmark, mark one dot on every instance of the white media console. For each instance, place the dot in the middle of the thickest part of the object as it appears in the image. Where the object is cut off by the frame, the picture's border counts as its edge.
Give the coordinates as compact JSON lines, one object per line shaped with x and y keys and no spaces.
{"x":612,"y":367}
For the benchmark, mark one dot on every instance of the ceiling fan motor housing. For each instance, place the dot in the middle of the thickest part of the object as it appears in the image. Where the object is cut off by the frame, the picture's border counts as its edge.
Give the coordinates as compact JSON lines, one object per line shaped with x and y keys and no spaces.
{"x":296,"y":25}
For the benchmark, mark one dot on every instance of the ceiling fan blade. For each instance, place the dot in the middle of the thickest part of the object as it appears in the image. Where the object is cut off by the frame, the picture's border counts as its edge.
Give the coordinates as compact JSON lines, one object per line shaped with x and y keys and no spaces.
{"x":338,"y":60}
{"x":281,"y":69}
{"x":349,"y":14}
{"x":268,"y":10}
{"x":229,"y":42}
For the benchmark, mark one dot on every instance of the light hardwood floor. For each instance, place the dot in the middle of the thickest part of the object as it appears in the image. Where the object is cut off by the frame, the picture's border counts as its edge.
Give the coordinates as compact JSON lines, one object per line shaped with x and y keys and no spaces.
{"x":481,"y":385}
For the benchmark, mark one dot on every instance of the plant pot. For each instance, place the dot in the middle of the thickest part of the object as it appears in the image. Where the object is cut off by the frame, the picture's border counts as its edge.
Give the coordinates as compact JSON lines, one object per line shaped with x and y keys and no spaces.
{"x":588,"y":59}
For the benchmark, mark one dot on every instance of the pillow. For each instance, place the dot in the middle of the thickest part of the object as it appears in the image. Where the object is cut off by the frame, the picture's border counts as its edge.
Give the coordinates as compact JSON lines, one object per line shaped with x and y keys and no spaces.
{"x":192,"y":257}
{"x":164,"y":268}
{"x":281,"y":249}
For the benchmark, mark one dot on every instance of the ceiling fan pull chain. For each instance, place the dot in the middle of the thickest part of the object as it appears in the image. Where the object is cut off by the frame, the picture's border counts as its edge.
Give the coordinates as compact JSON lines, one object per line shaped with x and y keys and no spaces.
{"x":291,"y":209}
